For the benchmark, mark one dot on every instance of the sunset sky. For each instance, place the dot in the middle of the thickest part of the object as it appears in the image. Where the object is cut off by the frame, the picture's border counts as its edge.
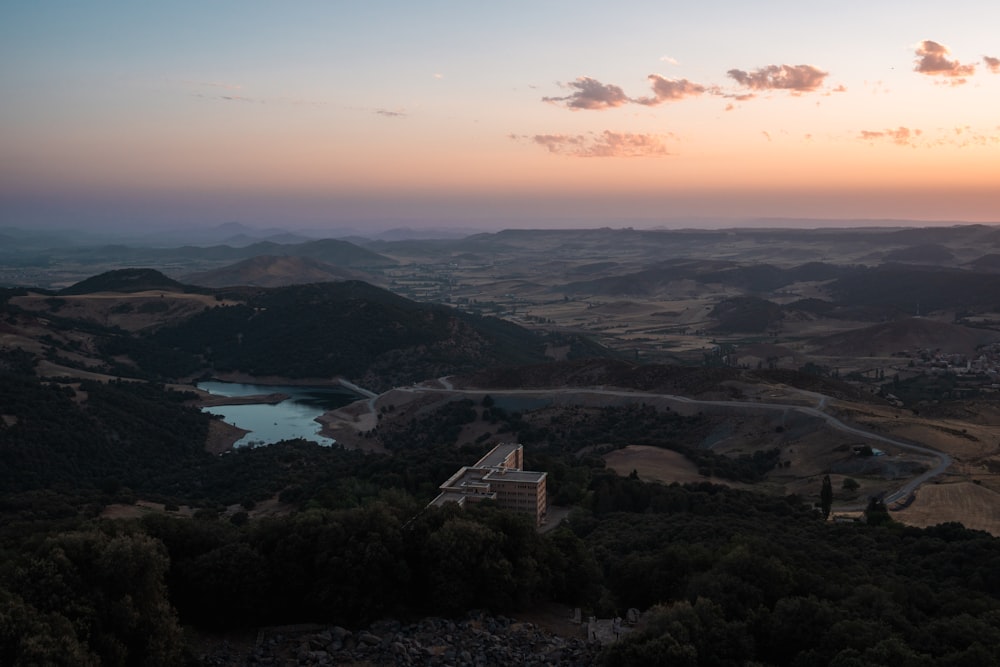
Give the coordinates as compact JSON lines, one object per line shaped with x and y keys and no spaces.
{"x":316,"y":114}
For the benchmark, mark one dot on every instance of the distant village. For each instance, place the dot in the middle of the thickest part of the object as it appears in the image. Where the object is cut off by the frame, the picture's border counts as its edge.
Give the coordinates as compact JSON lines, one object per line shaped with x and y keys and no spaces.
{"x":986,"y":361}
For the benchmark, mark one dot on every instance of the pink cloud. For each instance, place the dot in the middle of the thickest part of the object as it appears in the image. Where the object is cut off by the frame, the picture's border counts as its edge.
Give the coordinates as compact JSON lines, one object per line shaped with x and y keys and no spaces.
{"x":993,"y":64}
{"x":591,"y":94}
{"x":932,"y":60}
{"x":667,"y":90}
{"x":901,"y":136}
{"x":605,"y":144}
{"x":797,"y":78}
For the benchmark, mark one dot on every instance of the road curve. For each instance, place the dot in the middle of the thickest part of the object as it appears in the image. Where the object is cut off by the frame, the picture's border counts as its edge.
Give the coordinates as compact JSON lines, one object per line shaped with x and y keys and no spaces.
{"x":943,"y":460}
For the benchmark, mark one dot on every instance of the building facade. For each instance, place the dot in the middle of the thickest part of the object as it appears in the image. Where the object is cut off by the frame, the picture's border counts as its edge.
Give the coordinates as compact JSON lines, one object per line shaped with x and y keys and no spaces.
{"x":499,"y":476}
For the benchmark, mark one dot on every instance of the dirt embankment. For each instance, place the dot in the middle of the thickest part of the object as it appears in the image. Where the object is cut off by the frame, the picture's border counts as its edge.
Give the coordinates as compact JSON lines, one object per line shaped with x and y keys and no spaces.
{"x":222,"y":436}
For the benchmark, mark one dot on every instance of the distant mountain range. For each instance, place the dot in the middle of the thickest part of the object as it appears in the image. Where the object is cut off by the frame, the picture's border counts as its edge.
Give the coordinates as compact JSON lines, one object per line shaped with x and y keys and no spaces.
{"x":228,"y":233}
{"x":332,"y":251}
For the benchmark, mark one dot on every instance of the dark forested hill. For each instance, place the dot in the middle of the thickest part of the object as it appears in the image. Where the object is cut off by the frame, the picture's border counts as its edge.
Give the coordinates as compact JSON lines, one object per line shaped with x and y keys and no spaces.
{"x":125,"y":280}
{"x":753,"y":278}
{"x":918,"y":289}
{"x":346,"y":329}
{"x":56,"y":437}
{"x":273,"y":271}
{"x":351,"y":329}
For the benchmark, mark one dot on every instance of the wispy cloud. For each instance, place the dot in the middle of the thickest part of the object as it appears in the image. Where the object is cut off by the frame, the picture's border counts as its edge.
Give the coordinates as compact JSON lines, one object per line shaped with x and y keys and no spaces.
{"x":391,"y":113}
{"x":992,"y":64}
{"x":965,"y":136}
{"x":212,"y":84}
{"x":796,"y":78}
{"x":962,"y":137}
{"x":739,"y":97}
{"x":901,"y":136}
{"x":668,"y":59}
{"x":666,"y":90}
{"x":932,"y":60}
{"x":245,"y":99}
{"x":227,"y":92}
{"x":604,"y":144}
{"x":590,"y":94}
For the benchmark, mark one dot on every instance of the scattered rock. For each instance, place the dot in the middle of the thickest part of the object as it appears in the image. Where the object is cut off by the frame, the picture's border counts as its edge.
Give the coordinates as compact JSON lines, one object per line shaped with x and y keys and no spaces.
{"x":477,"y":640}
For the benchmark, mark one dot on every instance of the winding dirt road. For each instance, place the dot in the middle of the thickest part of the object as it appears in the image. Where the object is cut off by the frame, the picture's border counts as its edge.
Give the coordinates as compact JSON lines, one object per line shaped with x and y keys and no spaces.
{"x":943,"y":460}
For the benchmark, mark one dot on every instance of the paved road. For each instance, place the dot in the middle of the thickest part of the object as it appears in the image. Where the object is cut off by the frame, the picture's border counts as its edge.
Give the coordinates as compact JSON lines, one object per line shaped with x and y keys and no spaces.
{"x":943,"y":460}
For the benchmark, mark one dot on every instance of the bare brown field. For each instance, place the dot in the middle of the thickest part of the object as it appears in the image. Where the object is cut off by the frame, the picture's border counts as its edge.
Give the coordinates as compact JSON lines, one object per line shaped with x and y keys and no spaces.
{"x":655,"y":464}
{"x":142,"y":508}
{"x":47,"y":369}
{"x":964,"y":441}
{"x":974,"y":506}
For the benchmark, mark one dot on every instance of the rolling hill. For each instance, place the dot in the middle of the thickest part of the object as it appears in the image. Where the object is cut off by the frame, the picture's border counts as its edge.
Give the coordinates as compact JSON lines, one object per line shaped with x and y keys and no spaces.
{"x":350,"y":329}
{"x":906,"y":334}
{"x":125,"y":280}
{"x":273,"y":271}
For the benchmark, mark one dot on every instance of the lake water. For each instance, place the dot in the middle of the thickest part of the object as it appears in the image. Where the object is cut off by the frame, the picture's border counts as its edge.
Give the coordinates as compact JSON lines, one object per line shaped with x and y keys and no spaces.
{"x":295,"y":417}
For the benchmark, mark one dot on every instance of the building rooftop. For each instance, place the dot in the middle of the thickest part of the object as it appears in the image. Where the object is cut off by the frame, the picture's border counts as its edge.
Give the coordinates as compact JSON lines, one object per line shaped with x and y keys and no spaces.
{"x":496,"y":456}
{"x":515,"y":475}
{"x":466,"y":478}
{"x":448,"y":497}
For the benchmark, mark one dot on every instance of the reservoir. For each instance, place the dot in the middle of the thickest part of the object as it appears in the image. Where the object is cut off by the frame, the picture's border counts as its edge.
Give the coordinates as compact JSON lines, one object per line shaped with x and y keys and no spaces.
{"x":294,"y":417}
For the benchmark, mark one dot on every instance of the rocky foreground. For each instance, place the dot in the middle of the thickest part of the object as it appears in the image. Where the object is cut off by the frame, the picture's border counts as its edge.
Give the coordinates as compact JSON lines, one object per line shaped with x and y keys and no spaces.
{"x":479,"y":640}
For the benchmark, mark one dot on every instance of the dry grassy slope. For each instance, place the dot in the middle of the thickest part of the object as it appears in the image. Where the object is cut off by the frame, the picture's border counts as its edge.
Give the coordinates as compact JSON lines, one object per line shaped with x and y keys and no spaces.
{"x":655,"y":464}
{"x":970,"y":504}
{"x":132,"y":312}
{"x":907,"y":334}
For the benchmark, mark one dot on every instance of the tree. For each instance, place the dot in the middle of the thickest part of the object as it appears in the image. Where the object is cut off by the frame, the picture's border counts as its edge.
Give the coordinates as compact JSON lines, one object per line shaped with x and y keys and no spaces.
{"x":877,"y":514}
{"x":826,"y":497}
{"x":111,"y":588}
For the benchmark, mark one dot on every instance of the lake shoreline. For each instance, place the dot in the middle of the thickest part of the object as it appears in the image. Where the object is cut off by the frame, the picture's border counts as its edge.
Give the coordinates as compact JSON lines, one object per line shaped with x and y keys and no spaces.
{"x":256,"y":414}
{"x":213,"y":400}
